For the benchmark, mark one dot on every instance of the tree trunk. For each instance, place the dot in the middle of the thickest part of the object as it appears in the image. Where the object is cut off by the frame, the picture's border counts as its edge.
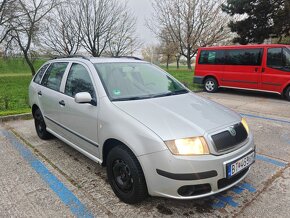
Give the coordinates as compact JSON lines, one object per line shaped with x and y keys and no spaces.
{"x":189,"y":62}
{"x":167,"y":62}
{"x":177,"y":62}
{"x":28,"y":61}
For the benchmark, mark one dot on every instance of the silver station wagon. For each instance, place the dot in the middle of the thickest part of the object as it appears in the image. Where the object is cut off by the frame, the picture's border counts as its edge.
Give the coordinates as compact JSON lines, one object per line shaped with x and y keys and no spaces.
{"x":154,"y":135}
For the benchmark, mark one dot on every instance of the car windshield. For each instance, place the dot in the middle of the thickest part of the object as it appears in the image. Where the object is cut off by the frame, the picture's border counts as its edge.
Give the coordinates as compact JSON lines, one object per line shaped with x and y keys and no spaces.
{"x":134,"y":81}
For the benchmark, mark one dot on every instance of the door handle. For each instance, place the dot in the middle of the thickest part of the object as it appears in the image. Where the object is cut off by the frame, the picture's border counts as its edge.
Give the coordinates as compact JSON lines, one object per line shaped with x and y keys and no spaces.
{"x":256,"y":69}
{"x":39,"y":93}
{"x":263,"y":69}
{"x":62,"y":102}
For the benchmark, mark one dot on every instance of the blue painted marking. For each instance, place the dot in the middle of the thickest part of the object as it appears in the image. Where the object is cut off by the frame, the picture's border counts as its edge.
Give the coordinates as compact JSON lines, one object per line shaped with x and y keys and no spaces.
{"x":269,"y":160}
{"x":218,"y":205}
{"x":247,"y":186}
{"x":65,"y":195}
{"x":237,"y":189}
{"x":229,"y":200}
{"x":265,"y":118}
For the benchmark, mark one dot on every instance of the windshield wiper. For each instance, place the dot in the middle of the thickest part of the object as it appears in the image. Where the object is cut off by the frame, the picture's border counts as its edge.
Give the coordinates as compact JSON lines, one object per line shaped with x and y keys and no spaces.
{"x":177,"y":92}
{"x":181,"y":91}
{"x":131,"y":98}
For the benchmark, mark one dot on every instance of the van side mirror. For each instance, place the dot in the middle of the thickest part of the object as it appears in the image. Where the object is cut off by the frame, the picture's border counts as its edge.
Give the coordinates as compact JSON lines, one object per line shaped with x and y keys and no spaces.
{"x":85,"y":97}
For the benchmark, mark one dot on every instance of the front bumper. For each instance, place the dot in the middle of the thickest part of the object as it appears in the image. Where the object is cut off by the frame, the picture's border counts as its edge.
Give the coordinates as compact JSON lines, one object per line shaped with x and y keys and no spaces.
{"x":165,"y":173}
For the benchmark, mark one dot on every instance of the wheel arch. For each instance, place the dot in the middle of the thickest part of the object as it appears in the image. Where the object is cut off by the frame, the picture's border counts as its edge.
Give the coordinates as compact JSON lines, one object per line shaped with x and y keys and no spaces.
{"x":108,"y":145}
{"x":34,"y":108}
{"x":210,"y":76}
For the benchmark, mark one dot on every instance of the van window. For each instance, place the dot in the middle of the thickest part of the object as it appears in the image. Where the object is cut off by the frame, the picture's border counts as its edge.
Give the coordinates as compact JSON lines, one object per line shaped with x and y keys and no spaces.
{"x":250,"y":57}
{"x":53,"y":76}
{"x":211,"y":57}
{"x":278,"y":58}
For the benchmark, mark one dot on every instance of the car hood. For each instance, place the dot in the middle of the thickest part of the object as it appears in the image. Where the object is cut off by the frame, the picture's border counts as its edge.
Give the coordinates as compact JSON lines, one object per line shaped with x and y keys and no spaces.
{"x":179,"y":116}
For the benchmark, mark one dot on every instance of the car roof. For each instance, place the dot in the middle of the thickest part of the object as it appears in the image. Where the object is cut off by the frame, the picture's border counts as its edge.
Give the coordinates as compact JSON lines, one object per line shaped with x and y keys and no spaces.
{"x":100,"y":59}
{"x":244,"y":46}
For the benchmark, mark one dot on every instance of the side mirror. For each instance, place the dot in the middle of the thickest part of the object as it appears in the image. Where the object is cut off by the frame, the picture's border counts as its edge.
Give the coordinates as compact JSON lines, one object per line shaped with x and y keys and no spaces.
{"x":84,"y":97}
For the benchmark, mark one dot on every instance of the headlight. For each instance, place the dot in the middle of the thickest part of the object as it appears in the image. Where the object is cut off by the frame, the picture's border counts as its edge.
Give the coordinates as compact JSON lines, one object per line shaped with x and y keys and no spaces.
{"x":188,"y":146}
{"x":244,"y":122}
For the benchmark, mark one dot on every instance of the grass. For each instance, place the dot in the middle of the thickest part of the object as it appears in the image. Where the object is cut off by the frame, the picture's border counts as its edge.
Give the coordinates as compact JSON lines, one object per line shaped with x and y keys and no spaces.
{"x":185,"y":76}
{"x":14,"y":94}
{"x":15,"y":77}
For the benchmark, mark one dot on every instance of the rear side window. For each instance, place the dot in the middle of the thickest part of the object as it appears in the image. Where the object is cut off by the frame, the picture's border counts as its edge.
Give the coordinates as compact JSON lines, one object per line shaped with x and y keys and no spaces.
{"x":211,"y":57}
{"x":79,"y":80}
{"x":53,"y":76}
{"x":278,"y":58}
{"x":252,"y":57}
{"x":40,"y":73}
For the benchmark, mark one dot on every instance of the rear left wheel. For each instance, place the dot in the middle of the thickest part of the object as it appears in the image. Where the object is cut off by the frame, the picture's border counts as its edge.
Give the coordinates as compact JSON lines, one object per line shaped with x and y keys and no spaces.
{"x":40,"y":125}
{"x":125,"y":175}
{"x":287,"y":93}
{"x":211,"y":85}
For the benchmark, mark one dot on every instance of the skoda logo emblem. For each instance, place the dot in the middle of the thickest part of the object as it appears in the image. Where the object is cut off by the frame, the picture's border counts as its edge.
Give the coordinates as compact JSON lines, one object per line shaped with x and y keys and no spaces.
{"x":232,"y":131}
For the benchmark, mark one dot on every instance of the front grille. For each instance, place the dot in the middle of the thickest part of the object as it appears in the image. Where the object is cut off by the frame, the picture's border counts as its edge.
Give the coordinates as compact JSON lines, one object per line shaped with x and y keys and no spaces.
{"x":225,"y":140}
{"x":226,"y":182}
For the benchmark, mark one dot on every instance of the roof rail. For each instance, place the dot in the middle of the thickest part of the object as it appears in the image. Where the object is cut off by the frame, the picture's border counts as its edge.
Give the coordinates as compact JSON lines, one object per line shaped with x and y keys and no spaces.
{"x":131,"y":57}
{"x":72,"y":56}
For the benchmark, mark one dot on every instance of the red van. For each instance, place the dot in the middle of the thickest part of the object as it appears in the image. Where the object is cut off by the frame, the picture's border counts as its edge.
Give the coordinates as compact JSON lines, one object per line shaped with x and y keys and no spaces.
{"x":254,"y":67}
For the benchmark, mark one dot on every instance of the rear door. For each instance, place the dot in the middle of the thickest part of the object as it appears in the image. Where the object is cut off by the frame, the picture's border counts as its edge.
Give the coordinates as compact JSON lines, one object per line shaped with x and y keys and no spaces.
{"x":242,"y":68}
{"x":80,"y":121}
{"x":276,"y":73}
{"x":49,"y":93}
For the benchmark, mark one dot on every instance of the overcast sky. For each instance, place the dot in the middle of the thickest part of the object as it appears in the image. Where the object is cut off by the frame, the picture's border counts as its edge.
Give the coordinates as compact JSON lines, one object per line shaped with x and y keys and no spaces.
{"x":142,"y":10}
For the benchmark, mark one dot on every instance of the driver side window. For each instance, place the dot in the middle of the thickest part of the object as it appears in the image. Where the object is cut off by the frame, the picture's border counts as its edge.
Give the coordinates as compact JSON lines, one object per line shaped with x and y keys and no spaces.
{"x":79,"y":80}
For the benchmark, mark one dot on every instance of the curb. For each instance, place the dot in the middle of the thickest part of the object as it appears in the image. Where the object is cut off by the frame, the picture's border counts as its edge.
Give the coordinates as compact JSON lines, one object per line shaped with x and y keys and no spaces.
{"x":25,"y":116}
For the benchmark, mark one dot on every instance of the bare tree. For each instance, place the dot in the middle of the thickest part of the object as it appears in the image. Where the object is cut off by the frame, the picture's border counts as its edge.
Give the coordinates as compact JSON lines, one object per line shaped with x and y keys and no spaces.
{"x":192,"y":23}
{"x":62,"y":30}
{"x":168,"y":48}
{"x":124,"y":40}
{"x":107,"y":26}
{"x":26,"y":27}
{"x":6,"y":15}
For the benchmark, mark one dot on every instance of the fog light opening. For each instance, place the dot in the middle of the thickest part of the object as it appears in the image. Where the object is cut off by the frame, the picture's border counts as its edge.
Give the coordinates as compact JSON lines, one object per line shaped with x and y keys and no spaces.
{"x":192,"y":190}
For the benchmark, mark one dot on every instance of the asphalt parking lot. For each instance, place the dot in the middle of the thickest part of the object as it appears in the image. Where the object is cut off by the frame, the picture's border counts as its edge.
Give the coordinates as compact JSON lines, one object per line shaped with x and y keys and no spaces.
{"x":50,"y":179}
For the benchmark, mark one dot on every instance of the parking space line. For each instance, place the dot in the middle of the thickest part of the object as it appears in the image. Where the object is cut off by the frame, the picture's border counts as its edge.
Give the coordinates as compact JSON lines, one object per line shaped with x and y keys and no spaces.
{"x":247,"y":186}
{"x":264,"y":118}
{"x":228,"y":200}
{"x":66,"y":196}
{"x":270,"y":160}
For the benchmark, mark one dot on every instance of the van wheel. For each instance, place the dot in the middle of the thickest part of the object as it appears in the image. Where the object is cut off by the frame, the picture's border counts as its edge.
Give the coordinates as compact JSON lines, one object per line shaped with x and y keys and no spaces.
{"x":125,"y":175}
{"x":287,"y":93}
{"x":211,"y":85}
{"x":40,"y":125}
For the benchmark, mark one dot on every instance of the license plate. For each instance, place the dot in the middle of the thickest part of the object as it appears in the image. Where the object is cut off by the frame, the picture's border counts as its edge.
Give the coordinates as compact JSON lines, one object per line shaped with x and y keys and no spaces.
{"x":240,"y":164}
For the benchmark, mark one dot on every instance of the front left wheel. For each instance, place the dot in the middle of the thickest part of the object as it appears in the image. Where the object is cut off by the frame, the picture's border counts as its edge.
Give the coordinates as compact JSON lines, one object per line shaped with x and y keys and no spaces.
{"x":125,"y":175}
{"x":40,"y":125}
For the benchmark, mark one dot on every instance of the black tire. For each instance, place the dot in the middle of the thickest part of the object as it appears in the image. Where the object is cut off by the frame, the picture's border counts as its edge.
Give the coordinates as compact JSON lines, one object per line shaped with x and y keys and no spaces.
{"x":125,"y":175}
{"x":210,"y":85}
{"x":40,"y":125}
{"x":287,"y":93}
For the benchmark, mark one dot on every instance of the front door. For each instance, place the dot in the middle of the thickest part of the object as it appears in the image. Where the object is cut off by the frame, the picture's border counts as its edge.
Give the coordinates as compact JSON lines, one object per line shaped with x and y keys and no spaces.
{"x":277,"y":69}
{"x":80,"y":121}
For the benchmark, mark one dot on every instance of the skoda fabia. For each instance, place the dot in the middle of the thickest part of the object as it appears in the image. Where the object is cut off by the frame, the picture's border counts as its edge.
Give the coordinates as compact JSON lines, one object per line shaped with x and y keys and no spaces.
{"x":154,"y":135}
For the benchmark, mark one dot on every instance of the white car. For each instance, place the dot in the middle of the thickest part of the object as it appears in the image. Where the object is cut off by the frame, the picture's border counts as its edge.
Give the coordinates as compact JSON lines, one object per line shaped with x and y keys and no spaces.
{"x":154,"y":135}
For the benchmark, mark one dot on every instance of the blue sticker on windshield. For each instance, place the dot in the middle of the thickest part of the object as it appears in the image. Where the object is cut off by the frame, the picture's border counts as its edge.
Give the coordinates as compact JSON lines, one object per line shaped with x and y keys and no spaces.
{"x":116,"y":92}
